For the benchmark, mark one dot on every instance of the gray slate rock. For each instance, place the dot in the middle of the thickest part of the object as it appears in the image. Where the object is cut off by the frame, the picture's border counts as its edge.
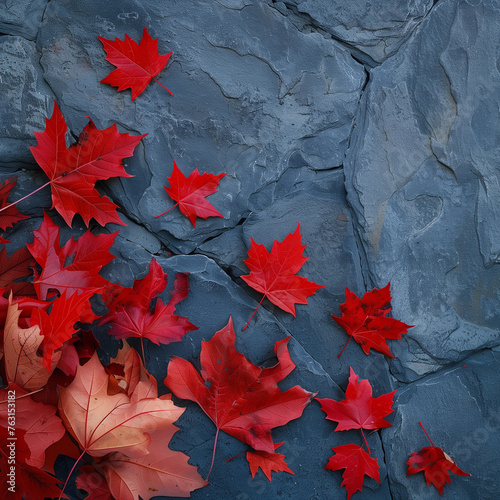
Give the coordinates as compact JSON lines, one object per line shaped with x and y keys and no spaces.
{"x":375,"y":29}
{"x":25,"y":99}
{"x":417,"y":179}
{"x":21,"y":17}
{"x":459,"y":408}
{"x":242,"y":104}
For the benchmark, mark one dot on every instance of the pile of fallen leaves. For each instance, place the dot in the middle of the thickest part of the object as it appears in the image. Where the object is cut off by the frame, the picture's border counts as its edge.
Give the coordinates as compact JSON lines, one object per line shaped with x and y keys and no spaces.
{"x":60,"y":399}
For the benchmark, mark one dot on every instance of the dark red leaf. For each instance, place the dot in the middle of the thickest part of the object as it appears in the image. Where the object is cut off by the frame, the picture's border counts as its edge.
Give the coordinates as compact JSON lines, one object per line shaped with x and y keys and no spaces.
{"x":238,"y":396}
{"x":19,"y":265}
{"x":365,"y":320}
{"x":93,"y":483}
{"x":36,"y":428}
{"x":435,"y":463}
{"x":129,"y":308}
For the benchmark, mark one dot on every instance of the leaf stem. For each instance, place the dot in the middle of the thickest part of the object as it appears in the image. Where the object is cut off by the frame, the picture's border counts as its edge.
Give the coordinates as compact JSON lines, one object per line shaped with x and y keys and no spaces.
{"x":70,"y":473}
{"x":248,"y":322}
{"x":171,"y":208}
{"x":24,"y":197}
{"x":366,"y":442}
{"x":344,"y":347}
{"x":143,"y":356}
{"x":426,"y":433}
{"x":237,"y":455}
{"x":213,"y":455}
{"x":25,"y":395}
{"x":162,"y":85}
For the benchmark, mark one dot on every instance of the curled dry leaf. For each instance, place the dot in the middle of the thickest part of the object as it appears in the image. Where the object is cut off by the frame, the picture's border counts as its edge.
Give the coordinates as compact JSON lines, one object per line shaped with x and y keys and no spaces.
{"x":131,"y":376}
{"x":435,"y":464}
{"x":22,"y":364}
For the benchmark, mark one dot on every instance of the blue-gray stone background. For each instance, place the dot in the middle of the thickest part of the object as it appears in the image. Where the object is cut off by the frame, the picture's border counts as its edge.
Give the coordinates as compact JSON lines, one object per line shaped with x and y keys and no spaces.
{"x":375,"y":125}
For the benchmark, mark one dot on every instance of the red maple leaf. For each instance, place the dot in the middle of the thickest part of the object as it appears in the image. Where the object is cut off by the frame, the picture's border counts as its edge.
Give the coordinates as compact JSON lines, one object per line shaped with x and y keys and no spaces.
{"x":13,"y":269}
{"x":75,"y":266}
{"x":274,"y":274}
{"x":435,"y":463}
{"x":73,"y":172}
{"x":9,"y":214}
{"x":136,"y":64}
{"x":359,"y":410}
{"x":267,"y":462}
{"x":129,"y":308}
{"x":357,"y":463}
{"x":58,"y":325}
{"x":86,"y":345}
{"x":190,"y":193}
{"x":239,"y":397}
{"x":365,"y":320}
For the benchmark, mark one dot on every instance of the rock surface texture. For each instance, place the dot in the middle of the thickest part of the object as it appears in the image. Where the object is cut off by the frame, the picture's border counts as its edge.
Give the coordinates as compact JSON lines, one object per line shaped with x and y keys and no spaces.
{"x":373,"y":124}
